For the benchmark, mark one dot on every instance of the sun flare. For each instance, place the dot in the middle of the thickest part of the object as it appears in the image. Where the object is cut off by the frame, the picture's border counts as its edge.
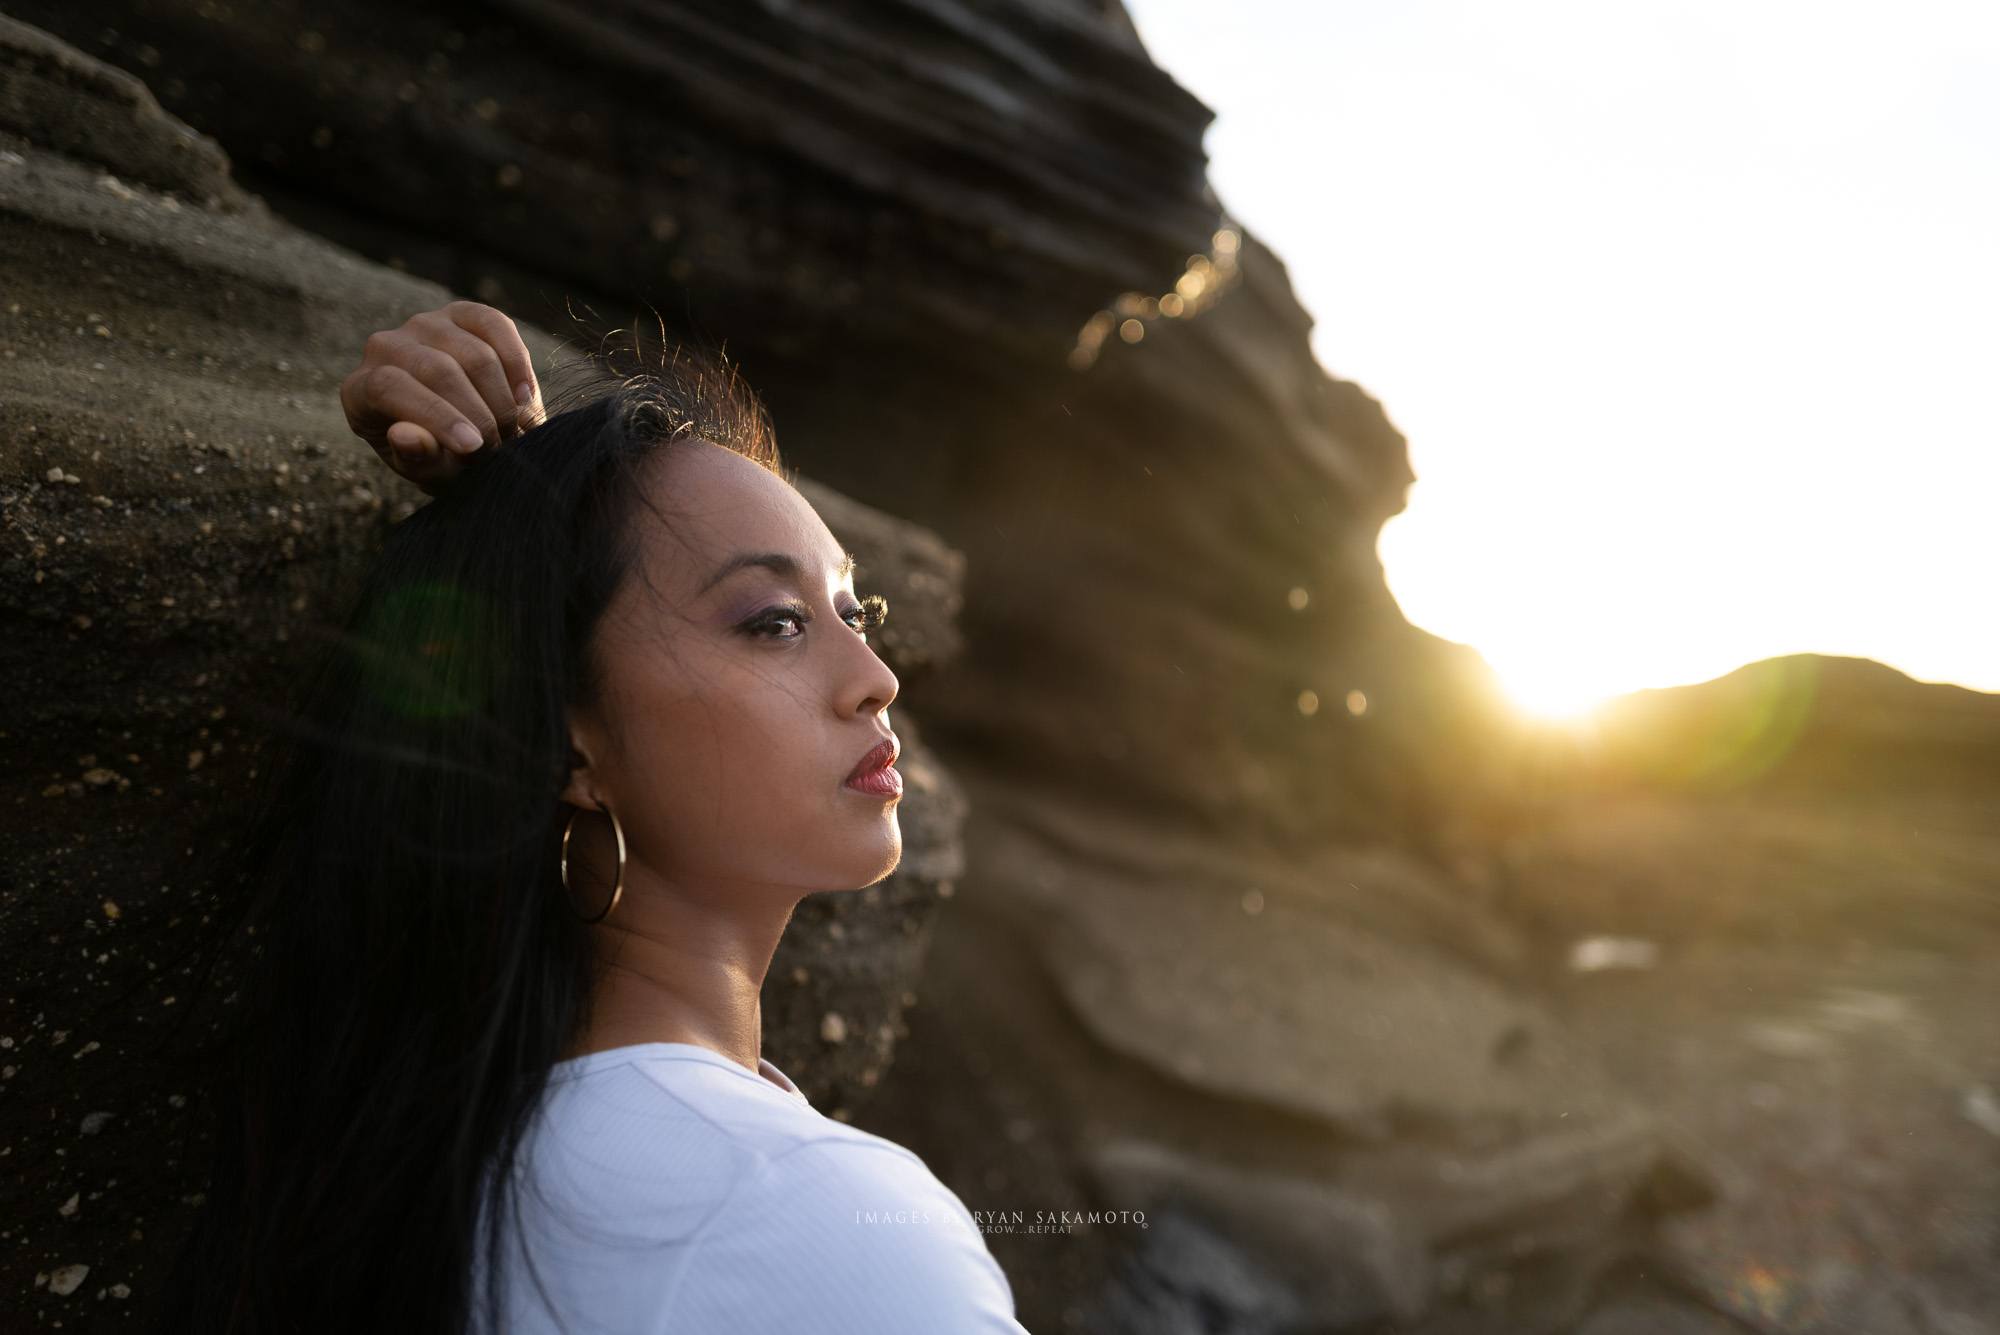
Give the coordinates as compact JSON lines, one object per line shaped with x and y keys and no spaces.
{"x":1551,"y":691}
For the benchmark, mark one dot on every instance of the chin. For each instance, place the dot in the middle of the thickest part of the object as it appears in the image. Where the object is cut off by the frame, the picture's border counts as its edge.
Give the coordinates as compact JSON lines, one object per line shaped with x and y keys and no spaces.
{"x":887,"y":859}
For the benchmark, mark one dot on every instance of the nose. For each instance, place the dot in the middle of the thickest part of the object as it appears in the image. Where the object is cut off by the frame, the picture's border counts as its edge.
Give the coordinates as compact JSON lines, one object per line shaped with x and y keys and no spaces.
{"x":870,"y":685}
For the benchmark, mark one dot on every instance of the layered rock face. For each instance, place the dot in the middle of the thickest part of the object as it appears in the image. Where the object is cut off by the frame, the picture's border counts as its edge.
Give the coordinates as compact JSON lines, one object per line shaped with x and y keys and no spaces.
{"x":1214,"y":954}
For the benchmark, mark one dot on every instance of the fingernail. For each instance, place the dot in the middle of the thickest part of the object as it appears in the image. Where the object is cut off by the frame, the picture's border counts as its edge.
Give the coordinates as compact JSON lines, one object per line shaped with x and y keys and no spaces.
{"x":467,"y":437}
{"x":524,"y":393}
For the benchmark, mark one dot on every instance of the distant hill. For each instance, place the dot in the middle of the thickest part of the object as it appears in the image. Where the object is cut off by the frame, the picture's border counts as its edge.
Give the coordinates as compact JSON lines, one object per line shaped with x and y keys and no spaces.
{"x":1804,"y":723}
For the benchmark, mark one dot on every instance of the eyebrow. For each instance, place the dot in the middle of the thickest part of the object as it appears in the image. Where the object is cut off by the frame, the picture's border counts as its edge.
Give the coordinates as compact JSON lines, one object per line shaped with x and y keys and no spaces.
{"x":778,"y":561}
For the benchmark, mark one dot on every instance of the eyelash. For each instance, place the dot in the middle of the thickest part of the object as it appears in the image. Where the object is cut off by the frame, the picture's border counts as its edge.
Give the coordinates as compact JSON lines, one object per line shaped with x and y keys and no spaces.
{"x":874,"y":610}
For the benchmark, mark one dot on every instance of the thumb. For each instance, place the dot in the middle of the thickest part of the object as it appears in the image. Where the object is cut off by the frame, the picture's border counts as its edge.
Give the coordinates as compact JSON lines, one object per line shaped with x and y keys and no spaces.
{"x":415,"y":455}
{"x":411,"y":442}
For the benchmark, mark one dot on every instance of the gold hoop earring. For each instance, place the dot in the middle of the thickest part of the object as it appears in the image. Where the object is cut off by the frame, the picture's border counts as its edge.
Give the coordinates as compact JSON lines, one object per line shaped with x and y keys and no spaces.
{"x":618,"y":886}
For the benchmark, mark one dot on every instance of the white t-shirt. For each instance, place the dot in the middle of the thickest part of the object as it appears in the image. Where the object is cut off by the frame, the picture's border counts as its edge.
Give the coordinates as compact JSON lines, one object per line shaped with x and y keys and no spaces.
{"x":666,"y":1189}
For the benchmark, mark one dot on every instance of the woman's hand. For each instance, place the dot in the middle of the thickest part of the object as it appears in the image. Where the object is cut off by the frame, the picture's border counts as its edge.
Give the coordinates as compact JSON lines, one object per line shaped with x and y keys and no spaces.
{"x":445,"y":385}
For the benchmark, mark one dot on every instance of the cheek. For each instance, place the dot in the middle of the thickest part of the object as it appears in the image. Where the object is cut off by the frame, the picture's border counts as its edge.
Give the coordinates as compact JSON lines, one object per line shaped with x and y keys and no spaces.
{"x":724,"y":774}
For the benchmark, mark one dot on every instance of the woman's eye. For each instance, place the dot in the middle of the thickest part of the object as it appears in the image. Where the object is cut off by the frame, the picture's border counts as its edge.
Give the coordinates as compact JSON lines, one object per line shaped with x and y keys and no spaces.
{"x":778,"y":617}
{"x":871,"y":612}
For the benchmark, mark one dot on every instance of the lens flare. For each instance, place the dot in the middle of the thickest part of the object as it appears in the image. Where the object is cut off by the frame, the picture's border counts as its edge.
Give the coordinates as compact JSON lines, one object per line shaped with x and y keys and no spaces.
{"x":427,"y":651}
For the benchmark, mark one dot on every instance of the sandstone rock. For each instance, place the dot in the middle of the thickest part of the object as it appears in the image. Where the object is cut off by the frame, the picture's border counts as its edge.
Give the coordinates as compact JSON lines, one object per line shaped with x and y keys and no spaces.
{"x":1346,"y":1261}
{"x":1186,"y":1278}
{"x":1363,"y":1110}
{"x":59,"y":99}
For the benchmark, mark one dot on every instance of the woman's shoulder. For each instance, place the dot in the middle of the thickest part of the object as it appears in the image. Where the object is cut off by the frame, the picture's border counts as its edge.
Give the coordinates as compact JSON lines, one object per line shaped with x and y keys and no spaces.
{"x":625,"y":1125}
{"x":748,"y":1203}
{"x":846,"y":1231}
{"x":651,"y":1141}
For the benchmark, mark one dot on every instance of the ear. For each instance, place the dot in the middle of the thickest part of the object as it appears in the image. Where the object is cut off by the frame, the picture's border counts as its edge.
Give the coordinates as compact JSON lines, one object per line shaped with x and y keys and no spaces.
{"x":586,"y":741}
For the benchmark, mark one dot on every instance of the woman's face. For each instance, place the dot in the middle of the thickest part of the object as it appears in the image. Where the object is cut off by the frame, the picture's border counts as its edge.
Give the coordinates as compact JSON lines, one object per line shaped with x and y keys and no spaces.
{"x":739,"y":697}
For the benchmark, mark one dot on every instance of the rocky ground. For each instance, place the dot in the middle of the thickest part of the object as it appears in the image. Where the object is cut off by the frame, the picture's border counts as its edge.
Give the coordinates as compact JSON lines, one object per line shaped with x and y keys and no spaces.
{"x":1817,"y":1027}
{"x":1847,"y":1108}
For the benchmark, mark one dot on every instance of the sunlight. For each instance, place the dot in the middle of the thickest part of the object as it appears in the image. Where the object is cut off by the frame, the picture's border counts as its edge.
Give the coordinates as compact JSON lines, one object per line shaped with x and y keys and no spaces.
{"x":1555,"y":688}
{"x":1645,"y":338}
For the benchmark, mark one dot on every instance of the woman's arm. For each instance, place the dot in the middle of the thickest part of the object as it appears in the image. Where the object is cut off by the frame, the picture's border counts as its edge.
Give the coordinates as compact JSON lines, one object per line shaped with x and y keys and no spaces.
{"x":446,"y":384}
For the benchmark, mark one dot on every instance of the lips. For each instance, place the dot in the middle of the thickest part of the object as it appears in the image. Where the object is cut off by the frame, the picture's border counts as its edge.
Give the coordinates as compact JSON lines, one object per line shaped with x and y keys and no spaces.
{"x":880,"y":756}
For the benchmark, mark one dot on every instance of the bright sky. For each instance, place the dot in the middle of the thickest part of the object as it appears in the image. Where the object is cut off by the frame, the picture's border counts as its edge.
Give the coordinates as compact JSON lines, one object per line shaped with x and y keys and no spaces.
{"x":1690,"y":311}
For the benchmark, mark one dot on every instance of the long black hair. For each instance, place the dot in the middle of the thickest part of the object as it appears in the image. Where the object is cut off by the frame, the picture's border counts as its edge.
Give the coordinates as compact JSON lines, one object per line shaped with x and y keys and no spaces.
{"x":414,"y":965}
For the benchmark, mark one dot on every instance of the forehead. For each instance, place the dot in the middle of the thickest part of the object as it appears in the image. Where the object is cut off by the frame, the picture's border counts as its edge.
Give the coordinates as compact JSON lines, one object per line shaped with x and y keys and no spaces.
{"x":719,"y":505}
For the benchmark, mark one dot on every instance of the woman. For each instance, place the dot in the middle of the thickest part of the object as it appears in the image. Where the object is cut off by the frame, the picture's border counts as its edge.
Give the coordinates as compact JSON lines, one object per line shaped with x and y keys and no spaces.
{"x":605,"y":711}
